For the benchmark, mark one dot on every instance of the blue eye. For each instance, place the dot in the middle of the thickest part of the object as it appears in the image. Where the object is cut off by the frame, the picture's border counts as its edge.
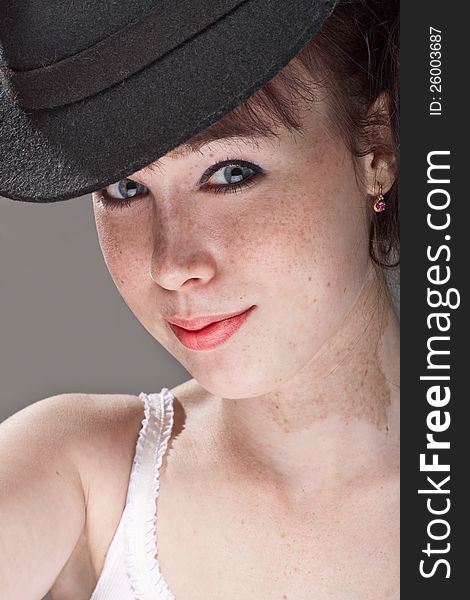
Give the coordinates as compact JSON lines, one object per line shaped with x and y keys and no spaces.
{"x":229,"y":175}
{"x":128,"y":188}
{"x":121,"y":194}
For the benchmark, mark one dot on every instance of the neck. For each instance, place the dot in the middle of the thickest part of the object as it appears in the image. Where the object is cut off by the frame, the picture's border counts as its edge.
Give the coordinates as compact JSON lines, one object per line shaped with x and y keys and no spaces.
{"x":336,"y":419}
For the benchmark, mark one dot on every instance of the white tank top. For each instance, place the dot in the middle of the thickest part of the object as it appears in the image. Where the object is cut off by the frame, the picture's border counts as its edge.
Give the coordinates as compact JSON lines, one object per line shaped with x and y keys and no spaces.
{"x":131,"y":570}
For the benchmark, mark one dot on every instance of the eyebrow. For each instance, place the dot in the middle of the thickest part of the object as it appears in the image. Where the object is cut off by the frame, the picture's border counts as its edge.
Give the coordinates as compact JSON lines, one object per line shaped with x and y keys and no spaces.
{"x":218,"y":131}
{"x":215,"y":133}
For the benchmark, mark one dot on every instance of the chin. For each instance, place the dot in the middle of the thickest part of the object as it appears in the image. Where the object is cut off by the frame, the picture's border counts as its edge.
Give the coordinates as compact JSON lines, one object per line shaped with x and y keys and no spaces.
{"x":237,"y":384}
{"x":241,"y":370}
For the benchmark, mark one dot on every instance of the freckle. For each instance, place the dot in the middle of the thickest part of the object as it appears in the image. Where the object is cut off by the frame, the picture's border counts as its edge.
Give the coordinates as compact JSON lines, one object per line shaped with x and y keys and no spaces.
{"x":310,"y":279}
{"x":283,"y":534}
{"x":276,"y":405}
{"x":57,"y":473}
{"x":328,"y":284}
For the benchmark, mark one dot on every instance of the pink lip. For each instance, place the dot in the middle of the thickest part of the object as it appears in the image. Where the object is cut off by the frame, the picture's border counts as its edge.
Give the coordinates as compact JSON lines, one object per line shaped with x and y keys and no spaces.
{"x":204,"y":333}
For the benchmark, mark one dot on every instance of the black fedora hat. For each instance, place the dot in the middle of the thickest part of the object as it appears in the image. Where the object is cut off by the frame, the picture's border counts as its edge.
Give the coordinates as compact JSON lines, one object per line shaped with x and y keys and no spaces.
{"x":90,"y":93}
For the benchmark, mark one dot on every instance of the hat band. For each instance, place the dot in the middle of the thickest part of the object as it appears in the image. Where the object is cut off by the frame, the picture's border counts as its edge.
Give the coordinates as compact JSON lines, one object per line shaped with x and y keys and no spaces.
{"x":116,"y":57}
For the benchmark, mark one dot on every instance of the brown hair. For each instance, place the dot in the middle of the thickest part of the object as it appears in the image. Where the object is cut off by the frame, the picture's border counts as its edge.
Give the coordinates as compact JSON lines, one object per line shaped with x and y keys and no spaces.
{"x":355,"y":57}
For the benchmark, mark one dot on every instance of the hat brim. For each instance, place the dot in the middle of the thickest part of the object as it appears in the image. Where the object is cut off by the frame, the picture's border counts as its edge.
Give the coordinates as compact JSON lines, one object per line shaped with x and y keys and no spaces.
{"x":58,"y":154}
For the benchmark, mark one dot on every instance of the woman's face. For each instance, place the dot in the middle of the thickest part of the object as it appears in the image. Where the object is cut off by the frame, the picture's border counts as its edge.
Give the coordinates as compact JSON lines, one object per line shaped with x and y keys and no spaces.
{"x":292,"y":243}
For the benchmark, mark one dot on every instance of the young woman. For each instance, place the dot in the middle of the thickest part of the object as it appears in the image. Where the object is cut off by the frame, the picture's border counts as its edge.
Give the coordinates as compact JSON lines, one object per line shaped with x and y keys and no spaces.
{"x":254,"y":251}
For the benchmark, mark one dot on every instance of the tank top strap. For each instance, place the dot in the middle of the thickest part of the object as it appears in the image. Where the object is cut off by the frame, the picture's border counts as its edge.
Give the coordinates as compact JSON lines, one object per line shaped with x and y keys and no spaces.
{"x":140,"y":528}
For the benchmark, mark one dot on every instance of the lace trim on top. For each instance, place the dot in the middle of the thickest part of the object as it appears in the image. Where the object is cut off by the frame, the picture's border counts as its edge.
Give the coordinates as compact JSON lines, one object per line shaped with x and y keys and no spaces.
{"x":140,"y":536}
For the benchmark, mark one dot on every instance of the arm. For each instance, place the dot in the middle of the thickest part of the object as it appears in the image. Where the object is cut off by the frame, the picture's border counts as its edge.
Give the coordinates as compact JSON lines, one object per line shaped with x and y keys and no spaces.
{"x":42,"y":499}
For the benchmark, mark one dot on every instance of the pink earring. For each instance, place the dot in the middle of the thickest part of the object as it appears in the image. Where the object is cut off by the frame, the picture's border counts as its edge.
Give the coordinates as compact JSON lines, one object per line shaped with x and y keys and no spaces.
{"x":379,"y":202}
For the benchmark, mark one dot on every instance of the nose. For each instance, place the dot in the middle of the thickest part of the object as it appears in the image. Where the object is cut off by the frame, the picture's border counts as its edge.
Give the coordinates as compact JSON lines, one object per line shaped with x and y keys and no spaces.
{"x":180,"y":258}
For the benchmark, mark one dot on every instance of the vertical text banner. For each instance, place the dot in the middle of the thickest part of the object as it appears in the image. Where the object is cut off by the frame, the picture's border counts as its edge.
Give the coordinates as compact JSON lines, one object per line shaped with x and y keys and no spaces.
{"x":435,"y":225}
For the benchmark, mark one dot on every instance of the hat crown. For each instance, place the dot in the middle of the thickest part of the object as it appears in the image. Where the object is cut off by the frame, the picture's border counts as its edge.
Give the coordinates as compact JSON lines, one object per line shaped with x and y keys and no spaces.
{"x":36,"y":33}
{"x":97,"y":89}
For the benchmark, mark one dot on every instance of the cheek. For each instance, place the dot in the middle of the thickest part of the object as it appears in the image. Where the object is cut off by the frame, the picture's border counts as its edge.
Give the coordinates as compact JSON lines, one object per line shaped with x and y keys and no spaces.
{"x":124,"y":244}
{"x":313,"y":229}
{"x":307,"y":248}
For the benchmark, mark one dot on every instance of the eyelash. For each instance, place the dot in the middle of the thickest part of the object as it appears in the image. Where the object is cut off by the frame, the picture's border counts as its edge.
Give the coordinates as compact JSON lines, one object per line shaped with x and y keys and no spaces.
{"x":111,"y":203}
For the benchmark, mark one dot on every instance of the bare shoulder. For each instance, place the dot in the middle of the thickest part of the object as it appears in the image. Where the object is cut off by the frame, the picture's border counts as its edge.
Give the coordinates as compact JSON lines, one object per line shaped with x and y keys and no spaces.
{"x":90,"y":439}
{"x":50,"y":453}
{"x":103,"y":429}
{"x":101,"y":432}
{"x":107,"y":445}
{"x":70,"y":422}
{"x":105,"y":432}
{"x":106,"y":435}
{"x":104,"y":424}
{"x":78,"y":423}
{"x":73,"y":412}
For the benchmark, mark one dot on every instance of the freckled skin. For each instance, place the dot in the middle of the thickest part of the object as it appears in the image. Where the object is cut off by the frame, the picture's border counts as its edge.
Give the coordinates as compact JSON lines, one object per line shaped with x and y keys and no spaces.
{"x":275,"y":235}
{"x":295,"y":244}
{"x":302,"y":401}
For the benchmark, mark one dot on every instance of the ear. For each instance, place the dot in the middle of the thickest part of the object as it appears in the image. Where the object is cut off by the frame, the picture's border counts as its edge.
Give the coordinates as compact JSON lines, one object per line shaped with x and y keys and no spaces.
{"x":379,"y":167}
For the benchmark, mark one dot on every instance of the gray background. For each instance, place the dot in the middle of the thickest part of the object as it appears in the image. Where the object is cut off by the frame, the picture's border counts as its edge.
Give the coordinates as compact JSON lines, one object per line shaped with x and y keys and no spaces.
{"x":63,"y":325}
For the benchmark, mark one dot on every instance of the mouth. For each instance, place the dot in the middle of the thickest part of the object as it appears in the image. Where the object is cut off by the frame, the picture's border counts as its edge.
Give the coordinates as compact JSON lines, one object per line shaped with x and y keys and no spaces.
{"x":205,"y":333}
